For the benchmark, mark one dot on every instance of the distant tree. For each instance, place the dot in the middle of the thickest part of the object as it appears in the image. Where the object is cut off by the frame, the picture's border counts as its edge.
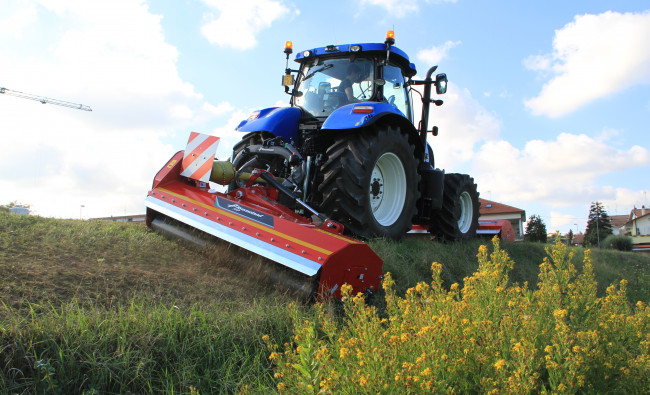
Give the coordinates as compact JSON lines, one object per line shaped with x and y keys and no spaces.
{"x":535,"y":229}
{"x":569,"y":238}
{"x":599,"y":225}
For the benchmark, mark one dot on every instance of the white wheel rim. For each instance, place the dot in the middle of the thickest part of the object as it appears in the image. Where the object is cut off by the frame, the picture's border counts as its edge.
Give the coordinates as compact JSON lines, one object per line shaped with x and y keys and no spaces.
{"x":466,"y":212}
{"x":387,"y":190}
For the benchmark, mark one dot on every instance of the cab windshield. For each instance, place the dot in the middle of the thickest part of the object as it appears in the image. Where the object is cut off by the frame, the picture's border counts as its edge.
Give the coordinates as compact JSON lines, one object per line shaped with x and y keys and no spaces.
{"x":332,"y":83}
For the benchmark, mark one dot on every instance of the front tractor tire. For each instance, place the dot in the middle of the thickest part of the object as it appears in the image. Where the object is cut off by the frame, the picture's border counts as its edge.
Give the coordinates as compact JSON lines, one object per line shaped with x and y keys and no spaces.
{"x":370,"y":183}
{"x":458,"y":218}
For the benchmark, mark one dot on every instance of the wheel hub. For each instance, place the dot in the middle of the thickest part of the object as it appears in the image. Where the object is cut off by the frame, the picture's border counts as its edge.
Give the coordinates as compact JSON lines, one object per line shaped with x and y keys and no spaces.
{"x":376,"y":188}
{"x":387,"y":191}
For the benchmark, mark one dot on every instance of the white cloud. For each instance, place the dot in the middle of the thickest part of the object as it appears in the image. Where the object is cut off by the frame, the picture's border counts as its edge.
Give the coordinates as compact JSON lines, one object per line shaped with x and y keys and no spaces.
{"x":220,"y":109}
{"x":435,"y":54}
{"x":239,"y":22}
{"x":561,"y":221}
{"x":624,"y":200}
{"x":403,"y":7}
{"x":229,"y":137}
{"x":463,"y":124}
{"x":16,"y":21}
{"x":113,"y":57}
{"x":556,"y":173}
{"x":538,"y":62}
{"x":594,"y":56}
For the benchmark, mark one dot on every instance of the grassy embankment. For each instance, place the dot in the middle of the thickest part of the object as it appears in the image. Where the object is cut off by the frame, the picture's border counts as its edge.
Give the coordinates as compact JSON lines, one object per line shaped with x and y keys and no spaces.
{"x":91,"y":306}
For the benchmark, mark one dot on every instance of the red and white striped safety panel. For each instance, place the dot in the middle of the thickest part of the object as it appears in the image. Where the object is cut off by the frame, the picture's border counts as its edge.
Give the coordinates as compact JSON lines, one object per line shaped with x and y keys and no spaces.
{"x":198,"y":157}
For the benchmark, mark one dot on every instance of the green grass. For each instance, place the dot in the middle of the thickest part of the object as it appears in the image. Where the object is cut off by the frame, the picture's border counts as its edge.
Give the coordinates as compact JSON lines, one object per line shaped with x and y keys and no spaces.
{"x":101,"y":307}
{"x":410,"y":262}
{"x":142,"y":346}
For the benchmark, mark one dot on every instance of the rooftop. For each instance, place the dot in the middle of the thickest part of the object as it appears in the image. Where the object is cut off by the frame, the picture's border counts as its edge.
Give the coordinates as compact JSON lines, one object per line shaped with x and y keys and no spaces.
{"x":490,"y":207}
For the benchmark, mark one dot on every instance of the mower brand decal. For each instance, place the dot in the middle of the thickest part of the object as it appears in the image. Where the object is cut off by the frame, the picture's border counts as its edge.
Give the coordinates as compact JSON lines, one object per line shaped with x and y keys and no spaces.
{"x":172,"y":163}
{"x":198,"y":157}
{"x":246,"y":212}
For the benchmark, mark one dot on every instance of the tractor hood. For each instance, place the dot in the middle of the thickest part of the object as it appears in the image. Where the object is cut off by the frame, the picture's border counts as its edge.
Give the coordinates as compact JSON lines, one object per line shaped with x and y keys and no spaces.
{"x":280,"y":121}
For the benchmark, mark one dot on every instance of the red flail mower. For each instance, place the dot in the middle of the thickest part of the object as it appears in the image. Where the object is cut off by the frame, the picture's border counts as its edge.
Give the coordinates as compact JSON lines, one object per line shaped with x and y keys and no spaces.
{"x":315,"y":250}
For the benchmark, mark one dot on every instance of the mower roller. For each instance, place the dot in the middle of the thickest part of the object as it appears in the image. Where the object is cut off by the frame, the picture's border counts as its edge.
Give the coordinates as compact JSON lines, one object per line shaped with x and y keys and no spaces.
{"x":181,"y":201}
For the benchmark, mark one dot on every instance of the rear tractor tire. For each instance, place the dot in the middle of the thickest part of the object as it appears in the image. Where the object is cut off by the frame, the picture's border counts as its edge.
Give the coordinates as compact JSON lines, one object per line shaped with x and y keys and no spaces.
{"x":370,"y":183}
{"x":458,"y":218}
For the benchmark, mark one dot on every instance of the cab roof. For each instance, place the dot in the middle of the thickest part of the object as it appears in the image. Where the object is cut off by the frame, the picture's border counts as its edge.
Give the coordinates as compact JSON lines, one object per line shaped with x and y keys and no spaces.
{"x":373,"y":49}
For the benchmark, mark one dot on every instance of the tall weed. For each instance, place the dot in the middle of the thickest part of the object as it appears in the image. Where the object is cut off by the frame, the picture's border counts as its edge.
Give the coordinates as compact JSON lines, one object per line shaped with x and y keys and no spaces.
{"x":487,"y":337}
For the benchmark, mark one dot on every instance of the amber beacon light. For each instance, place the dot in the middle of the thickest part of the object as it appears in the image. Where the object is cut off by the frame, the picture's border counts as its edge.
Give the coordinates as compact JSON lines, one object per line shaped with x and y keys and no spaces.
{"x":288,"y":47}
{"x":390,"y":37}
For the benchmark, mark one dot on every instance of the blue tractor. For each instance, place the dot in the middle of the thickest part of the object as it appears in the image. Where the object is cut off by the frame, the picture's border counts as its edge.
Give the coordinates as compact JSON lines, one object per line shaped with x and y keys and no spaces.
{"x":347,"y":145}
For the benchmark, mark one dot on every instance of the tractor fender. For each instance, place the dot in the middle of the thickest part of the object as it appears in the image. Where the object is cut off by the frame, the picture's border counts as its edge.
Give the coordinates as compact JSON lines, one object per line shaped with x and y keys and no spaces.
{"x":345,"y":118}
{"x":279,"y":121}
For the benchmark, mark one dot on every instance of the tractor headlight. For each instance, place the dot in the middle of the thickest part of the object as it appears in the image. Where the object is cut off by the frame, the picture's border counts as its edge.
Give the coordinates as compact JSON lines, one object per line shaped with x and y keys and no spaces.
{"x":306,"y":54}
{"x":355,"y":48}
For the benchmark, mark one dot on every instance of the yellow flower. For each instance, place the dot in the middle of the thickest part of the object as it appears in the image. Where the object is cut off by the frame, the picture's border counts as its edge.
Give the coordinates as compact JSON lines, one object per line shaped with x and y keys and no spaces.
{"x":500,"y":364}
{"x":558,"y":314}
{"x":343,"y":352}
{"x":265,"y":338}
{"x":321,"y":353}
{"x":281,"y":386}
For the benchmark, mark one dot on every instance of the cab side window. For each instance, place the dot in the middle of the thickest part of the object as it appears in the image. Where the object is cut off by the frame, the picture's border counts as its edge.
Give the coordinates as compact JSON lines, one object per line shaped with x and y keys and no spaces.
{"x":395,"y":90}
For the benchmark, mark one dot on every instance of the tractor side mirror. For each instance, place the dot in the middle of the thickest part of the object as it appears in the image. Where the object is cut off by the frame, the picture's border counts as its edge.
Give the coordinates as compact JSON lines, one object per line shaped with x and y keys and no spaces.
{"x":441,"y":84}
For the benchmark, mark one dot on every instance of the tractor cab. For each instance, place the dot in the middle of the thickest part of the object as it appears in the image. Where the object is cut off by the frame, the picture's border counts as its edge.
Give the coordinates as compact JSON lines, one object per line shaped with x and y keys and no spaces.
{"x":338,"y":75}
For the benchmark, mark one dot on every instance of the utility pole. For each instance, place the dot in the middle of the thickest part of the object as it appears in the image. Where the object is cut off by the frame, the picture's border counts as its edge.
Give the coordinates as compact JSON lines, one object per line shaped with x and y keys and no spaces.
{"x":598,"y":220}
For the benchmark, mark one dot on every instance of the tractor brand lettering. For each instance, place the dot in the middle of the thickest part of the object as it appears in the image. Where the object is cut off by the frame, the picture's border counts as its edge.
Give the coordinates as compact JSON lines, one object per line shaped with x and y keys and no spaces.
{"x":245,"y":212}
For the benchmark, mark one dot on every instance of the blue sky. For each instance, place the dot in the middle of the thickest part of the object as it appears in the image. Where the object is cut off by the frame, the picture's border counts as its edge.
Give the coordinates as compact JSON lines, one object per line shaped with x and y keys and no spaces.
{"x":548,"y":102}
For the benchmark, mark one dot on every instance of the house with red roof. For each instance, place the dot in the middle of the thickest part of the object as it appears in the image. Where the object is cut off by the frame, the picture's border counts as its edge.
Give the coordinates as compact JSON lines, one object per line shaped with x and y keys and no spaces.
{"x":618,"y":224}
{"x":638,"y":222}
{"x":492,"y":211}
{"x":638,"y":227}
